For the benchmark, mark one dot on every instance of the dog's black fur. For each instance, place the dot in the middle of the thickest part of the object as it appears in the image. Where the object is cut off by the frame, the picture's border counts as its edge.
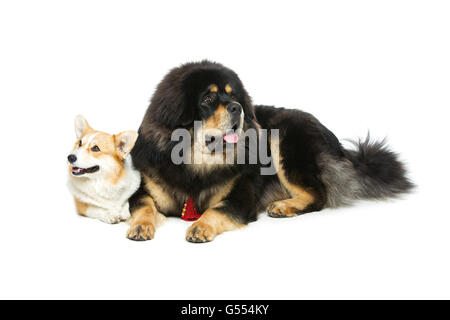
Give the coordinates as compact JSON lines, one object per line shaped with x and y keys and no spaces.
{"x":315,"y":159}
{"x":316,"y":171}
{"x":176,"y":104}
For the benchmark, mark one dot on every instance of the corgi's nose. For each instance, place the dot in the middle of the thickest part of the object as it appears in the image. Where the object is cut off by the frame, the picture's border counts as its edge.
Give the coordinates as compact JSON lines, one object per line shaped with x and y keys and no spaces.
{"x":72,"y":158}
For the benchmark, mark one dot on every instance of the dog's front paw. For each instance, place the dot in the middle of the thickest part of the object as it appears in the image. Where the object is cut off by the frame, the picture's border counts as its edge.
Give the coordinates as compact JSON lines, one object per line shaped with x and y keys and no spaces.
{"x":200,"y":232}
{"x":124,"y":213}
{"x":110,"y":219}
{"x":124,"y":216}
{"x":281,"y":209}
{"x":141,"y":232}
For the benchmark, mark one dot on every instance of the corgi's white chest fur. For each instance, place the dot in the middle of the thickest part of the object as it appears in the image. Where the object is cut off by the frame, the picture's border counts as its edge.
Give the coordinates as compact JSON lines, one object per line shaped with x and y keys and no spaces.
{"x":106,"y":201}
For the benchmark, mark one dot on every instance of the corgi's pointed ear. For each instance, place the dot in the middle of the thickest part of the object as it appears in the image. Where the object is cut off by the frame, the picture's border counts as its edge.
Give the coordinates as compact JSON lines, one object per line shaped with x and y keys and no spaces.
{"x":81,"y":126}
{"x":125,"y":142}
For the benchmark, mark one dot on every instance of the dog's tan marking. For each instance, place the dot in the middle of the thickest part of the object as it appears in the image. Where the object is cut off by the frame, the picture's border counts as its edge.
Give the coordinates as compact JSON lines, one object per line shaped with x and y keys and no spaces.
{"x":301,"y":198}
{"x":213,"y":88}
{"x":108,"y":148}
{"x":289,"y":207}
{"x":105,"y":142}
{"x":163,"y":200}
{"x":217,"y":119}
{"x":228,"y":89}
{"x":117,"y":175}
{"x":144,"y":221}
{"x":81,"y":207}
{"x":121,"y":149}
{"x":124,"y":142}
{"x":210,"y":224}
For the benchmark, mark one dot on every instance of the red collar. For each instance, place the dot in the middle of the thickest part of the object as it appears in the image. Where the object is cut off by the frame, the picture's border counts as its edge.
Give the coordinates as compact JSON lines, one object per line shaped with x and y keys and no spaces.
{"x":189,"y":213}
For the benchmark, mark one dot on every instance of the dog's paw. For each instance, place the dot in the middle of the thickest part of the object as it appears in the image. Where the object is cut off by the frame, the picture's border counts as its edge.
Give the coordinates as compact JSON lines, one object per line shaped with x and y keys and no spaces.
{"x":141,"y":232}
{"x":281,"y":209}
{"x":200,"y":232}
{"x":124,"y":216}
{"x":110,"y":219}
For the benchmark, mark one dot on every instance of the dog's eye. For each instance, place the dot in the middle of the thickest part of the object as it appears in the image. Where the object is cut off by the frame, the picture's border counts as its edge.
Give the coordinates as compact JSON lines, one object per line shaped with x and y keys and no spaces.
{"x":80,"y":143}
{"x":95,"y":149}
{"x":233,"y":97}
{"x":208,"y":99}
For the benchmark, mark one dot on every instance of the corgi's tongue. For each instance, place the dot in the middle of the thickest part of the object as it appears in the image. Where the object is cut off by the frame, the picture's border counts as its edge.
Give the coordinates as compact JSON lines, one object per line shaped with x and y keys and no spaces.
{"x":76,"y":170}
{"x":231,"y":138}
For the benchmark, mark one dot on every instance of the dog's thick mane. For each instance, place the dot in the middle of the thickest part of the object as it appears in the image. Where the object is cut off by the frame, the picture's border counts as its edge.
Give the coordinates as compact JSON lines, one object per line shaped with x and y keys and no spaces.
{"x":174,"y":105}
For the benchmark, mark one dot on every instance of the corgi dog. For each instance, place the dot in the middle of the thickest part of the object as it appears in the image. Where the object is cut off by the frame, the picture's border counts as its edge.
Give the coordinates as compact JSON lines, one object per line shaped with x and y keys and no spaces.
{"x":101,"y":174}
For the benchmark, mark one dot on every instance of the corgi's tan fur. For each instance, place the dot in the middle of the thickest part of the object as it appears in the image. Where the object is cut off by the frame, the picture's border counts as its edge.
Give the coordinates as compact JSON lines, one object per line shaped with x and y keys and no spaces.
{"x":101,"y":174}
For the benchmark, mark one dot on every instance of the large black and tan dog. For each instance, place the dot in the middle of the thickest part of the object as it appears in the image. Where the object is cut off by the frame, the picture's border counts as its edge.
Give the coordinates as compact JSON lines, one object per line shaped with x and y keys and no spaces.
{"x":313,"y":170}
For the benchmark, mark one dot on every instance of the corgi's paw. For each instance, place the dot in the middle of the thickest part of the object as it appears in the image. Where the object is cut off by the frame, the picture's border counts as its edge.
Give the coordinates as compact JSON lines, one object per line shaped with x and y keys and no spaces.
{"x":124,"y":213}
{"x":141,"y":232}
{"x":124,"y":216}
{"x":111,"y":219}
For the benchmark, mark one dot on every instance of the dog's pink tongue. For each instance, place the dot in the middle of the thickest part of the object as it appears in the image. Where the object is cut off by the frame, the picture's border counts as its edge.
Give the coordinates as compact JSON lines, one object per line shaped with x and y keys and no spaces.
{"x":231,"y":138}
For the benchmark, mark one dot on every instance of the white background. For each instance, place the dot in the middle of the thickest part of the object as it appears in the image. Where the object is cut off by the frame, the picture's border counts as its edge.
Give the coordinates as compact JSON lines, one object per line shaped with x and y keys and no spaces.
{"x":356,"y":65}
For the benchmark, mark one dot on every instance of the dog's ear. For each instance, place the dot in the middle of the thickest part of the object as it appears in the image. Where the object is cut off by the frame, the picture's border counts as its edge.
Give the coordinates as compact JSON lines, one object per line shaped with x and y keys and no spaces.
{"x":125,"y":142}
{"x":173,"y":110}
{"x":186,"y":117}
{"x":173,"y":104}
{"x":81,"y":126}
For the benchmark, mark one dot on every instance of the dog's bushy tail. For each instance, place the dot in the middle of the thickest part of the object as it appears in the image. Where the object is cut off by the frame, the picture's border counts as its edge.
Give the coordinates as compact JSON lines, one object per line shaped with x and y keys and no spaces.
{"x":370,"y":171}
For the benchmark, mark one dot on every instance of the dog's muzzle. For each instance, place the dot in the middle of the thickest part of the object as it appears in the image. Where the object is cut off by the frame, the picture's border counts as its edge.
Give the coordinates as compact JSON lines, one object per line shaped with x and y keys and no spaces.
{"x":234,"y":111}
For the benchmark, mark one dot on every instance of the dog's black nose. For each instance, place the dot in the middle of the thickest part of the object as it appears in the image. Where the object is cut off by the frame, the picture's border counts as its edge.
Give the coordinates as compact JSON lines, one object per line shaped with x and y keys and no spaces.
{"x":72,"y":158}
{"x":234,"y":108}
